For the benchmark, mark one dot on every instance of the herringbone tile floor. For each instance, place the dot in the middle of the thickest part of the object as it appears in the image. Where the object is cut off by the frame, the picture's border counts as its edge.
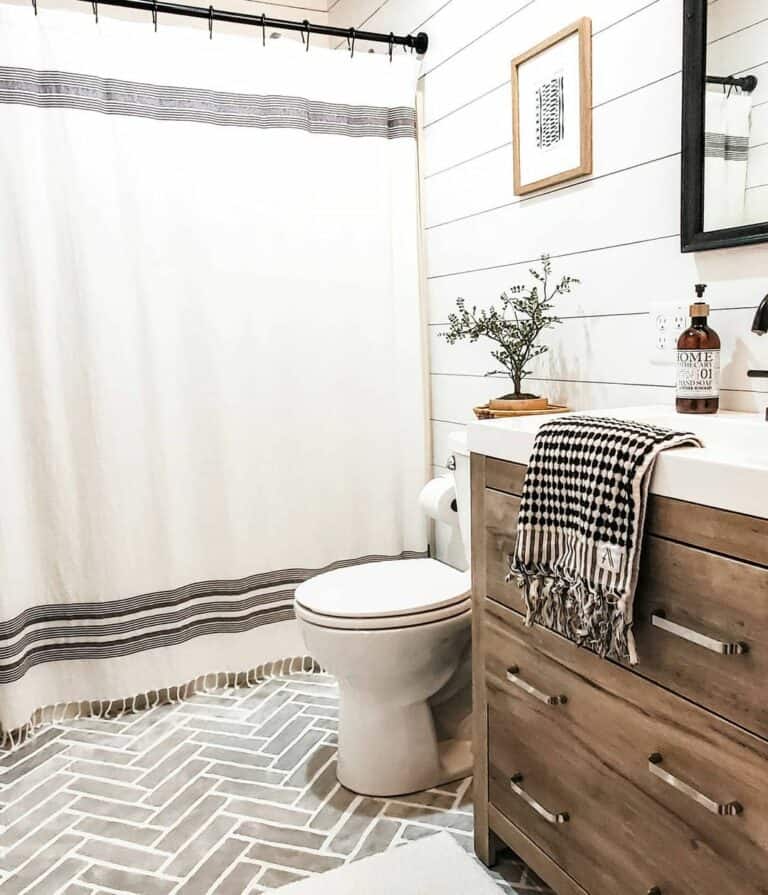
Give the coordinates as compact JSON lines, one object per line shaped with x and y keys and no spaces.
{"x":231,"y":792}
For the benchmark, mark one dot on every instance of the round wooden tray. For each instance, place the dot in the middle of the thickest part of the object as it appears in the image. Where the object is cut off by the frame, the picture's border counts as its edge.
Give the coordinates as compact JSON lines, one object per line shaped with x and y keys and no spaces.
{"x":485,"y":412}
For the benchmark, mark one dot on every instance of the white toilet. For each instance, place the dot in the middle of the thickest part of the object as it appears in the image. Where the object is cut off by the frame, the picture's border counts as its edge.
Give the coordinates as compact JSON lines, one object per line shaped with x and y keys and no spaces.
{"x":397,"y":636}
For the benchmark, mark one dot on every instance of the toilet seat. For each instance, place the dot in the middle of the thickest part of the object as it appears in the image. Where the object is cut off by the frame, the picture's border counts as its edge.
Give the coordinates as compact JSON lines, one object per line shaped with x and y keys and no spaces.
{"x":377,"y":595}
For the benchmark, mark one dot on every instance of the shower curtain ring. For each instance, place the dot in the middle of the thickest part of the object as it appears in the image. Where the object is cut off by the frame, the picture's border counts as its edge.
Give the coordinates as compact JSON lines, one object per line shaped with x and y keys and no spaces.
{"x":352,"y":43}
{"x":305,"y":23}
{"x":263,"y":30}
{"x":95,"y":6}
{"x":391,"y":44}
{"x":34,"y":6}
{"x":210,"y":23}
{"x":154,"y":14}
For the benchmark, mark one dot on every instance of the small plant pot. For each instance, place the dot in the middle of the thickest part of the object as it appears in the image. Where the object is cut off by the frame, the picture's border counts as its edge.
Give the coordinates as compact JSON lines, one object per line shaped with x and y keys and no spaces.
{"x":518,"y":404}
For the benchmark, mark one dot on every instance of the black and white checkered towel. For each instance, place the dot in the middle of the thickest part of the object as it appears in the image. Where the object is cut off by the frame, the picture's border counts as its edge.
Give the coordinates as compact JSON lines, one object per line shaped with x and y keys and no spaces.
{"x":580,"y":528}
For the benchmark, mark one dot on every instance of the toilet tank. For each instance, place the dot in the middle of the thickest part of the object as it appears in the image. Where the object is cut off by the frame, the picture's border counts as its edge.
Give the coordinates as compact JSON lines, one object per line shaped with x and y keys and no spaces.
{"x":457,"y":442}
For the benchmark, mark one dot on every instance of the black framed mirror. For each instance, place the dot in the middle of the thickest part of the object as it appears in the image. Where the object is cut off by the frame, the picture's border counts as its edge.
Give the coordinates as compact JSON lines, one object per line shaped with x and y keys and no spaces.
{"x":725,"y":125}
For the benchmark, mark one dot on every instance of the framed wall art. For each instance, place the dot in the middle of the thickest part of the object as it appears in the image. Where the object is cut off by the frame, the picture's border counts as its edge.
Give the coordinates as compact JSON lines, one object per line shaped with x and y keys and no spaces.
{"x":552,"y":109}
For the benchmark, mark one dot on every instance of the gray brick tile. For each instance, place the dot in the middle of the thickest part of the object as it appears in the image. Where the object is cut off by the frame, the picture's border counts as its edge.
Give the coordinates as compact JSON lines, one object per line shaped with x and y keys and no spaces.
{"x":125,"y":855}
{"x":276,"y":879}
{"x":246,"y":808}
{"x":127,"y":881}
{"x":119,"y":810}
{"x":176,"y":783}
{"x":279,"y":743}
{"x":328,"y":701}
{"x":271,"y":716}
{"x":30,"y":844}
{"x":57,"y":877}
{"x":238,"y":879}
{"x":281,"y":795}
{"x":102,"y":789}
{"x":84,"y":752}
{"x":293,"y":858}
{"x":34,"y":760}
{"x":131,"y":834}
{"x":379,"y":838}
{"x":30,"y":747}
{"x":322,"y":786}
{"x":165,"y":768}
{"x":110,"y":772}
{"x":320,"y":711}
{"x":189,"y":825}
{"x":147,"y":745}
{"x":157,"y":749}
{"x":325,"y":724}
{"x":349,"y":837}
{"x":208,"y":712}
{"x":250,"y":775}
{"x":294,"y":755}
{"x":281,"y":835}
{"x":41,"y":775}
{"x":309,"y":686}
{"x":451,"y":820}
{"x":261,"y":693}
{"x":92,"y":738}
{"x":429,"y":799}
{"x":199,"y":845}
{"x":44,"y":860}
{"x":232,"y":816}
{"x":34,"y":818}
{"x":203,"y":879}
{"x":215,"y":725}
{"x":250,"y":757}
{"x":312,"y":765}
{"x":333,"y":810}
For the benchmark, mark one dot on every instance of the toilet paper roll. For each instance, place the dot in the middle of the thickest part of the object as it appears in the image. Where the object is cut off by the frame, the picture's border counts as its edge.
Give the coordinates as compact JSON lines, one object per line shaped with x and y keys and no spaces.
{"x":438,"y":500}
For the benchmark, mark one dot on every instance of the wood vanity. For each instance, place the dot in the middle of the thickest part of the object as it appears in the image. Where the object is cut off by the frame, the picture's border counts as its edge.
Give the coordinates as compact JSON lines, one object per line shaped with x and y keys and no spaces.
{"x":608,"y":780}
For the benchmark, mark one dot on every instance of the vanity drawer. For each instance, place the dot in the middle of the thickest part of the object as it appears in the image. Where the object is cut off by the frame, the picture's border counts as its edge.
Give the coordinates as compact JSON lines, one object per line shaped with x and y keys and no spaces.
{"x":689,"y":592}
{"x":587,"y":756}
{"x":701,"y":626}
{"x":500,"y":532}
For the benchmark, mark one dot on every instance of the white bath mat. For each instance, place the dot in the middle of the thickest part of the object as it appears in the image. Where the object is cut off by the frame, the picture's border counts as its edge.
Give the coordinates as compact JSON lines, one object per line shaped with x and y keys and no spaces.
{"x":427,"y":867}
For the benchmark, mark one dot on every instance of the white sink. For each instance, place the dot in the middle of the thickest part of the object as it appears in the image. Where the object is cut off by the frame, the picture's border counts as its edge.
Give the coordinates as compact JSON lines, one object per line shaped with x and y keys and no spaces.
{"x":730,"y":472}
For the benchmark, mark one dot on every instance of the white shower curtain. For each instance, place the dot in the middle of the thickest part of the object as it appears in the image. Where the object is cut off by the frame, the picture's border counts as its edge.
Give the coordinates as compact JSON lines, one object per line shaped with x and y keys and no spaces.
{"x":210,"y":376}
{"x":726,"y":156}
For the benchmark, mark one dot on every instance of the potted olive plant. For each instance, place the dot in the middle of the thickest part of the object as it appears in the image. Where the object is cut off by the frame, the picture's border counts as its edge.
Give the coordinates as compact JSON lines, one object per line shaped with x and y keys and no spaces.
{"x":516,"y":326}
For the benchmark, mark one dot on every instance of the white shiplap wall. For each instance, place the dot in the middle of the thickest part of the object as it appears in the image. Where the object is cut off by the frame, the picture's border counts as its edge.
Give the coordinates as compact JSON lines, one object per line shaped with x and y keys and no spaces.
{"x":617,"y":230}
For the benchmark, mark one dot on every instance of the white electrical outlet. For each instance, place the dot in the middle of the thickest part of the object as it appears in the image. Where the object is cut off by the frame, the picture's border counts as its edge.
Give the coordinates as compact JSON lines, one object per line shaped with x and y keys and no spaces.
{"x":666,"y":321}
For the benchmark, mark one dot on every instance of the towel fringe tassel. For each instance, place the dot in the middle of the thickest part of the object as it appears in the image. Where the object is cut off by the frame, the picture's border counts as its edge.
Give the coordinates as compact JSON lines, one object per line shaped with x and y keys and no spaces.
{"x":591,"y":618}
{"x":51,"y":715}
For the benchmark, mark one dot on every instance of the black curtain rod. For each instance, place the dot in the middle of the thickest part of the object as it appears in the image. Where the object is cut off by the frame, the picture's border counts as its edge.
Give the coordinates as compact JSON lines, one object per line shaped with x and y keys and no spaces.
{"x":418,"y":42}
{"x":747,"y":84}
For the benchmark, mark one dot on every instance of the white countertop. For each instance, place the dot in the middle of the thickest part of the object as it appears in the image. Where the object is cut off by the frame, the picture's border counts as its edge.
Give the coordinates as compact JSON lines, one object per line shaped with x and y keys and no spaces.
{"x":730,"y":472}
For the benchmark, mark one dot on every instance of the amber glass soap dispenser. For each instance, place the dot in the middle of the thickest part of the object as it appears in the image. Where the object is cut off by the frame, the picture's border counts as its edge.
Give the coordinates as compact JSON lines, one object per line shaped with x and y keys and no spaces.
{"x":698,"y":362}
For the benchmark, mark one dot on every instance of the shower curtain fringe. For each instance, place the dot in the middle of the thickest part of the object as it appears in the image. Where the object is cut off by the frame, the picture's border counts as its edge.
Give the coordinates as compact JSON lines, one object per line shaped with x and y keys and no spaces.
{"x":118,"y":708}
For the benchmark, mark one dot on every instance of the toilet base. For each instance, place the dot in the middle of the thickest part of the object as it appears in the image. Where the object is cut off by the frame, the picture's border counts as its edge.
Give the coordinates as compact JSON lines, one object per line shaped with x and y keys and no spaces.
{"x":392,"y":751}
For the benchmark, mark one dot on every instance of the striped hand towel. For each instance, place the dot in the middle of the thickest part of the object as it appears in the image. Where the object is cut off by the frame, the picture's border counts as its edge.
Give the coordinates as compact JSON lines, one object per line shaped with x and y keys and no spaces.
{"x":580,"y":527}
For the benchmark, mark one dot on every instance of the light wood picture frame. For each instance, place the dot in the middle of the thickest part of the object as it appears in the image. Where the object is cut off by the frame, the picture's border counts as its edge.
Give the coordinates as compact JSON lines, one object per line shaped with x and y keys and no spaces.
{"x":552,"y":109}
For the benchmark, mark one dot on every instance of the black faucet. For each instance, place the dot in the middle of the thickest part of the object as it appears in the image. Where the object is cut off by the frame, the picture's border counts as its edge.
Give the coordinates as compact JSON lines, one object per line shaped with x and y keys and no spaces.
{"x":760,"y":328}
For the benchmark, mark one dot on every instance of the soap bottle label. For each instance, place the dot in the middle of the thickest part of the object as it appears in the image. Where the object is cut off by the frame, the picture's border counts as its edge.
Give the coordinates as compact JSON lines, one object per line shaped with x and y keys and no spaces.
{"x":698,"y":373}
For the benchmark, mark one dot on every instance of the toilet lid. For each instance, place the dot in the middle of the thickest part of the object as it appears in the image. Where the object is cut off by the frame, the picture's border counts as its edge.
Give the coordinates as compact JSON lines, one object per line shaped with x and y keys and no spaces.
{"x":384,"y":589}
